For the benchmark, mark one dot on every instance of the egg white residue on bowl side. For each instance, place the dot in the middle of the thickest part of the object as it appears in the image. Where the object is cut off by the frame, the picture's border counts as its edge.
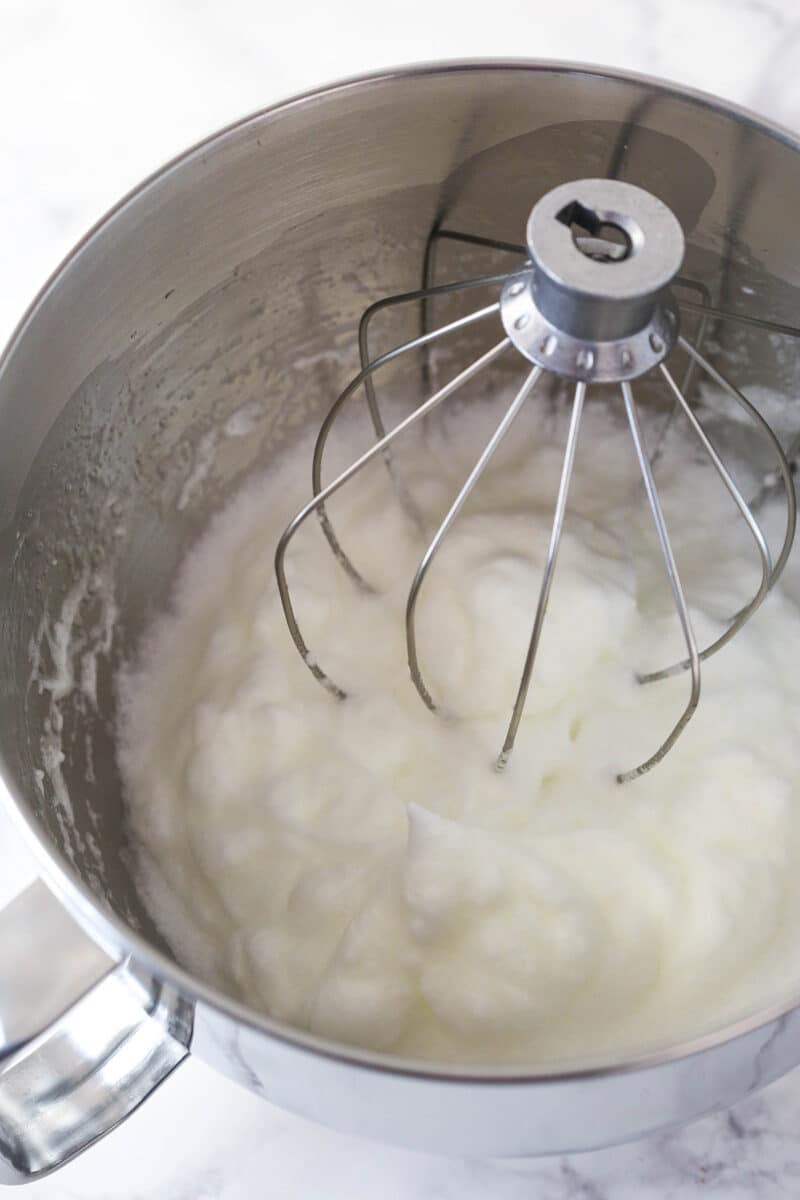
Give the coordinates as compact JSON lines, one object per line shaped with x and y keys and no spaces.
{"x":64,"y":656}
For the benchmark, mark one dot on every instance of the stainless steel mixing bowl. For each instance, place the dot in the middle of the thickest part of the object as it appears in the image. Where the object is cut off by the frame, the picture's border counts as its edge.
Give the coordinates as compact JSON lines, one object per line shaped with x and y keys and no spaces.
{"x":181,"y":345}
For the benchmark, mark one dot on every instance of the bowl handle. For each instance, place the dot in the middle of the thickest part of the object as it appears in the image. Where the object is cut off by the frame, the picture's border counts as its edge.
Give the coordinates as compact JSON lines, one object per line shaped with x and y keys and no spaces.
{"x":84,"y":1039}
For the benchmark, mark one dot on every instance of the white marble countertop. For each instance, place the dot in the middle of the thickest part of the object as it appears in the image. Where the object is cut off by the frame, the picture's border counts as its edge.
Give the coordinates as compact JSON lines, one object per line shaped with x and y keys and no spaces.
{"x":94,"y":95}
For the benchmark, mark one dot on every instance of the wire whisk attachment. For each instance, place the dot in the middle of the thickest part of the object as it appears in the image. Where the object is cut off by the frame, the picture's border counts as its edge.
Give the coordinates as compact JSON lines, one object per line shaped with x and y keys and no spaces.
{"x":591,"y":303}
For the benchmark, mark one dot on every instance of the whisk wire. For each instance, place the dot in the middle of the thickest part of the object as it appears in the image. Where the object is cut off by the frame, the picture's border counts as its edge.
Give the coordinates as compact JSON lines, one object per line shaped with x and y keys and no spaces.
{"x":455,"y":508}
{"x":743,"y":615}
{"x":318,"y":499}
{"x":784,"y":466}
{"x":319,"y":447}
{"x":740,"y":318}
{"x":691,"y":366}
{"x":547,"y":577}
{"x":404,"y":496}
{"x":675,"y":584}
{"x":475,"y":239}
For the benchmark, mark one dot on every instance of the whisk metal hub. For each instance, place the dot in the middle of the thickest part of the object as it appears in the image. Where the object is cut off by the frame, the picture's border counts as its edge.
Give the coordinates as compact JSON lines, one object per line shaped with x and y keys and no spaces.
{"x":594,"y":302}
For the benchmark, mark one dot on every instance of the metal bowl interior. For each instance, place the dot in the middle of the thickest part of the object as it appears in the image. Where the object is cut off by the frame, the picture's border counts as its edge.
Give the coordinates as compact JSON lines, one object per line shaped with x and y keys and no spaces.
{"x":224,"y":295}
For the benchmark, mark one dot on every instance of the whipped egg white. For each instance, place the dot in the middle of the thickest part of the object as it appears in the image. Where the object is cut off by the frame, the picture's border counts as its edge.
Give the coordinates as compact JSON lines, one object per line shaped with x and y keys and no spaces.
{"x":358,"y":868}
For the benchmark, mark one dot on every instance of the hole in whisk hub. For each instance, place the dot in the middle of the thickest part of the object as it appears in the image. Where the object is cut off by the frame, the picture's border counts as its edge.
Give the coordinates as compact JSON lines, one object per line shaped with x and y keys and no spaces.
{"x":603,"y":237}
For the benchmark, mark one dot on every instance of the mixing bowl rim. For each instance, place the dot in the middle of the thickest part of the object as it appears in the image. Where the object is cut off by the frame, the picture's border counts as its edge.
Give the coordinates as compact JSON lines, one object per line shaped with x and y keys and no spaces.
{"x":109,"y":930}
